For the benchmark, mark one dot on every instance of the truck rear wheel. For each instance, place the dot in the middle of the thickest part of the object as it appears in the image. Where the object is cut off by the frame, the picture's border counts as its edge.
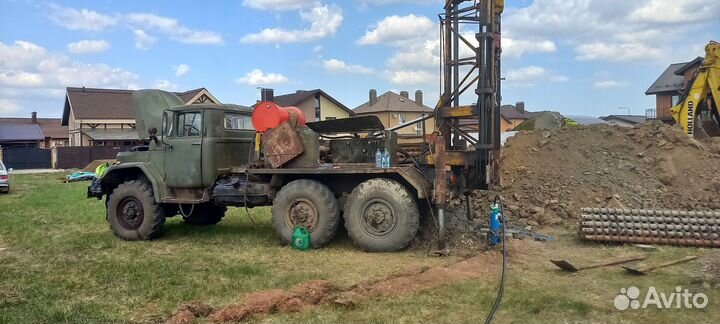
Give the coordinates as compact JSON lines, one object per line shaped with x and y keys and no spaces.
{"x":133,"y":213}
{"x":381,"y":216}
{"x":309,"y":204}
{"x":204,"y":214}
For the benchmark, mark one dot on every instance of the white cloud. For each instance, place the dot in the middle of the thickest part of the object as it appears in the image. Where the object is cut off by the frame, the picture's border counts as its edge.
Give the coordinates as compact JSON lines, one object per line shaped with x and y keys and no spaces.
{"x":607,"y":84}
{"x":24,"y":65}
{"x":82,"y":19}
{"x":21,"y":54}
{"x":317,"y":49}
{"x":8,"y":106}
{"x":398,"y":29}
{"x":173,"y":29}
{"x":676,"y":11}
{"x":139,"y":23}
{"x":143,"y":41}
{"x":515,"y":48}
{"x":625,"y":28}
{"x":617,"y":52}
{"x":527,"y":76}
{"x":165,"y":85}
{"x":258,"y":77}
{"x":338,"y":66}
{"x":324,"y":22}
{"x":182,"y":69}
{"x":88,"y":46}
{"x":413,"y":77}
{"x":20,"y":79}
{"x":279,"y":4}
{"x":426,"y":55}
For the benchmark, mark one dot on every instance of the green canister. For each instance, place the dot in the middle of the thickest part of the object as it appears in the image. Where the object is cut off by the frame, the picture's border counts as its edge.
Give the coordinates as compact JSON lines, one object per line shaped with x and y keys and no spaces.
{"x":300,"y":239}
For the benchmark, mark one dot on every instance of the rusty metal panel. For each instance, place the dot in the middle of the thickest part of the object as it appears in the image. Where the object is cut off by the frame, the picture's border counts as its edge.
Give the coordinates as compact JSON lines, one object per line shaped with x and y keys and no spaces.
{"x":281,"y":144}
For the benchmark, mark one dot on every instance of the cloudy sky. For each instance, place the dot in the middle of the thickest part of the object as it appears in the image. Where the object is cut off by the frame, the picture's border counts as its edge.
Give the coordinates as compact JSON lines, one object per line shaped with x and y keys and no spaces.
{"x":575,"y":56}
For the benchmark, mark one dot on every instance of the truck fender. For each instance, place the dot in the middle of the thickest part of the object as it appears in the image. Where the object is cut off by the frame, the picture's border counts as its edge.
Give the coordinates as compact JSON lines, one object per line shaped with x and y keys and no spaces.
{"x":119,"y":173}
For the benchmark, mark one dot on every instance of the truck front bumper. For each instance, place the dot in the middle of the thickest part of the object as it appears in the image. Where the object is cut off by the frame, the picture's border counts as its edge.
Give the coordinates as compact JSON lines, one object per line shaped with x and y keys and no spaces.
{"x":95,"y":190}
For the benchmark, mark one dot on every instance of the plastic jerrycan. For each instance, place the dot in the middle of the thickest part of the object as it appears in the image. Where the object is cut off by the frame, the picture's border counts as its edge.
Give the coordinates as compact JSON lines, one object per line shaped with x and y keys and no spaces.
{"x":300,"y":239}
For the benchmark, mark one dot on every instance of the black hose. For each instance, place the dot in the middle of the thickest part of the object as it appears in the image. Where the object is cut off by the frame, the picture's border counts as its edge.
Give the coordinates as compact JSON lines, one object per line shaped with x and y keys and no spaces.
{"x":498,"y":300}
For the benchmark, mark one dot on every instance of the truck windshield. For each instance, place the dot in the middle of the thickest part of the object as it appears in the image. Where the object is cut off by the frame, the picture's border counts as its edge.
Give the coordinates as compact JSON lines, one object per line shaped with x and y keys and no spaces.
{"x":238,"y":121}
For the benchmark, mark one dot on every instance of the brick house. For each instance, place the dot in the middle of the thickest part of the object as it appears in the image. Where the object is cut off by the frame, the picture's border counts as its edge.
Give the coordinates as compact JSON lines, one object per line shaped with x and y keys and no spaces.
{"x":667,"y":89}
{"x":105,"y":117}
{"x":394,"y":109}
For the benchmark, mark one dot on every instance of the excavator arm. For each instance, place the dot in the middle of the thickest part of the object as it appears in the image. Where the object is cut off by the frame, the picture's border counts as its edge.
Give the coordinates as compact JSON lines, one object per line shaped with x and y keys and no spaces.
{"x":704,"y":88}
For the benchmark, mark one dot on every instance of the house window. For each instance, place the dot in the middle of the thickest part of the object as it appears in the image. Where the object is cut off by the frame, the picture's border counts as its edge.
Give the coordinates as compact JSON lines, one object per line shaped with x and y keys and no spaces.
{"x":330,"y":118}
{"x":189,"y":124}
{"x":418,"y":128}
{"x":675,"y":100}
{"x":317,"y":107}
{"x":402,"y":118}
{"x":238,"y":122}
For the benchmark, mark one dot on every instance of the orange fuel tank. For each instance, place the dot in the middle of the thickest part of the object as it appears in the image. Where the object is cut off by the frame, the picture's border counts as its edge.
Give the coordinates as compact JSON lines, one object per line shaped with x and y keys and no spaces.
{"x":268,"y":115}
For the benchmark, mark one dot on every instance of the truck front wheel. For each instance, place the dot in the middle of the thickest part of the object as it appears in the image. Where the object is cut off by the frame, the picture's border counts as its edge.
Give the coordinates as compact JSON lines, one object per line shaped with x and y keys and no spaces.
{"x":309,"y":204}
{"x":381,"y":216}
{"x":133,"y":213}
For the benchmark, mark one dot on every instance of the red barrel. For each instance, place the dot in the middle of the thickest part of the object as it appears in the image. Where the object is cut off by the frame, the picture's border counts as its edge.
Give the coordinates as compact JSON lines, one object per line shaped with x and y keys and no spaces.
{"x":268,"y":115}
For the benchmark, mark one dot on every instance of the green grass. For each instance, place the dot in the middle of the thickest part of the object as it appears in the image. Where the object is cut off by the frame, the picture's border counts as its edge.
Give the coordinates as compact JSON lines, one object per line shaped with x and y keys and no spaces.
{"x":62,"y":264}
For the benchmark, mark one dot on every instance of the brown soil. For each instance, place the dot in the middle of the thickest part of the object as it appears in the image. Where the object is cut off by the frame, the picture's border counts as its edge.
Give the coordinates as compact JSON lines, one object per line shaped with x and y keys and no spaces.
{"x":317,"y":292}
{"x":270,"y":301}
{"x":549,"y":175}
{"x":187,"y":313}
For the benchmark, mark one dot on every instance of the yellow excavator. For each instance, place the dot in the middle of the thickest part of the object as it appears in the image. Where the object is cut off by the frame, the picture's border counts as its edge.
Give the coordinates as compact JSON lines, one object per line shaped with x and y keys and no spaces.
{"x":697,"y":111}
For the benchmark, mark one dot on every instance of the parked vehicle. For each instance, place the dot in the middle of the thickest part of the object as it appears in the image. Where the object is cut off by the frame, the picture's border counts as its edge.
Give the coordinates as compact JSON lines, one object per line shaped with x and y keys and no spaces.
{"x":4,"y":179}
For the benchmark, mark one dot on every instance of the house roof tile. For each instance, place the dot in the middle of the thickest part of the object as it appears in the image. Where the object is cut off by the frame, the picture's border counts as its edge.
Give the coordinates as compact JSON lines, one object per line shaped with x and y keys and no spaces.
{"x":94,"y":103}
{"x":295,"y":99}
{"x":51,"y":127}
{"x":392,"y":102}
{"x":668,"y":80}
{"x":16,"y":132}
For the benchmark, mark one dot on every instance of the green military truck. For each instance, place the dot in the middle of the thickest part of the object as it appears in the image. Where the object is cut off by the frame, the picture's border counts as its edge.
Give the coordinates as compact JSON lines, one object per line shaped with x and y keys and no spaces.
{"x":201,"y":159}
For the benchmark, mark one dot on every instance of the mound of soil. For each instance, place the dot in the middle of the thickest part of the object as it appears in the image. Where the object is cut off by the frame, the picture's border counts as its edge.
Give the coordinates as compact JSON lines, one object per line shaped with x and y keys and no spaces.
{"x":269,"y":301}
{"x":549,"y":175}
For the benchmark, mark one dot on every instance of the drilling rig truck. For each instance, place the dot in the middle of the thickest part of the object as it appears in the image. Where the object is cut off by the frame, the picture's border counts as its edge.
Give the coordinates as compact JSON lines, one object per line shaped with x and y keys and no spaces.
{"x":201,"y":159}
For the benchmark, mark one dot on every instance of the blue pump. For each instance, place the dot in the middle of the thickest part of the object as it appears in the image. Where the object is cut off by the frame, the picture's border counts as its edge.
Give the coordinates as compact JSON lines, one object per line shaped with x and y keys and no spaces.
{"x":495,"y":224}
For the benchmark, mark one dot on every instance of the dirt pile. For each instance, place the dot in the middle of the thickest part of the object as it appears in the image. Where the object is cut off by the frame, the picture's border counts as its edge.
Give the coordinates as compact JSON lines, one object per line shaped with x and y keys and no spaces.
{"x":269,"y":301}
{"x":549,"y":175}
{"x":187,"y":313}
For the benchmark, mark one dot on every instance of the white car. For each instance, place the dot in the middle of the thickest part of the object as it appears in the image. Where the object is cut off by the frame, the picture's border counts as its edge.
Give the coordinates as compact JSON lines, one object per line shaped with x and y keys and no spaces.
{"x":4,"y":179}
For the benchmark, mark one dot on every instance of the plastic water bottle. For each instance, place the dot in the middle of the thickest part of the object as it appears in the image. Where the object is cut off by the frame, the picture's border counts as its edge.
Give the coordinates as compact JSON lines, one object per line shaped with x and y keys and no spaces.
{"x":385,"y":159}
{"x":378,"y":158}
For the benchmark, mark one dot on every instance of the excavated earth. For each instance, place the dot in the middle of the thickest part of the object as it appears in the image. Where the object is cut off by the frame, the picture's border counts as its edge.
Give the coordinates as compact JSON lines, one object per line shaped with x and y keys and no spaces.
{"x":549,"y":175}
